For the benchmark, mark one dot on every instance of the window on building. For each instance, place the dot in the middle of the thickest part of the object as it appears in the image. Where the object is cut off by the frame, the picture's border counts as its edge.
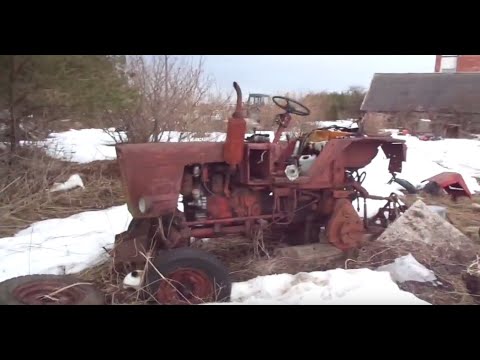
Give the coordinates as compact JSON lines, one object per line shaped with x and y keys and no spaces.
{"x":448,"y":63}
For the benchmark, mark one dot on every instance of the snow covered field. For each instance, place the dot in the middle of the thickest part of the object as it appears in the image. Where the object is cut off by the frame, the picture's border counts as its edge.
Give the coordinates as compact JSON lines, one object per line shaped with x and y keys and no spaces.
{"x":424,"y":160}
{"x":69,"y":245}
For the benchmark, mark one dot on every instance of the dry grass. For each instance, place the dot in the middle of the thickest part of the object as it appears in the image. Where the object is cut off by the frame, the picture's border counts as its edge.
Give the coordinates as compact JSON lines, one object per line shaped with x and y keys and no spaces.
{"x":25,"y":199}
{"x":240,"y":256}
{"x":26,"y":177}
{"x":237,"y":253}
{"x":107,"y":280}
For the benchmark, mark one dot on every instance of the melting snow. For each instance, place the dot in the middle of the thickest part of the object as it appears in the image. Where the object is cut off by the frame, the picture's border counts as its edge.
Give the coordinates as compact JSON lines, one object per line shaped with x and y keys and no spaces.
{"x":72,"y":182}
{"x":333,"y":287}
{"x":407,"y":268}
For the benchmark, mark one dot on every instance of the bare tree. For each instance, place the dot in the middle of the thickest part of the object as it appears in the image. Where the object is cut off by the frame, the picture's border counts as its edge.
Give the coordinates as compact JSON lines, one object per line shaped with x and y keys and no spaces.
{"x":172,"y":94}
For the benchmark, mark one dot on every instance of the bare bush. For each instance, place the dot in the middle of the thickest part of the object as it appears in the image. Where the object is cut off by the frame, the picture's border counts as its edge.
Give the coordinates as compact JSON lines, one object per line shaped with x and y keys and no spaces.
{"x":172,"y":94}
{"x":319,"y":105}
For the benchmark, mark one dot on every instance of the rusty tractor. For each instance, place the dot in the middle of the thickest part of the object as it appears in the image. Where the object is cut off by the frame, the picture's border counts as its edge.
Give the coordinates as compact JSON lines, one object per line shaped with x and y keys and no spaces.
{"x":301,"y":186}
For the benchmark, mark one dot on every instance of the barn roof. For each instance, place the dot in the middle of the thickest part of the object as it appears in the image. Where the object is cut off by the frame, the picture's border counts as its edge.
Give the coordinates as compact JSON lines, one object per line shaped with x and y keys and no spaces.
{"x":432,"y":92}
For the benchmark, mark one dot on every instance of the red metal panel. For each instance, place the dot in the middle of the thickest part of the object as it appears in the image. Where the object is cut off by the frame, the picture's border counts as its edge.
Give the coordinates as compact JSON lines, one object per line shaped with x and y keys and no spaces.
{"x":218,"y":207}
{"x":447,"y":179}
{"x":156,"y":169}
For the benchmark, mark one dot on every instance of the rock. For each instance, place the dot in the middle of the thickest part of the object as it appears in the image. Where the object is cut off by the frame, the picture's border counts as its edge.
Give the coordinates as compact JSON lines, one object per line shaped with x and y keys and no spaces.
{"x":476,"y":207}
{"x":420,"y":224}
{"x":439,"y":210}
{"x":426,"y":235}
{"x":472,"y":283}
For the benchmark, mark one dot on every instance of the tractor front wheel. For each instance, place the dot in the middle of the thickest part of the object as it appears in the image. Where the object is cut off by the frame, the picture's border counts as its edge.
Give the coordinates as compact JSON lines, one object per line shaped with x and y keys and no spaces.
{"x":188,"y":276}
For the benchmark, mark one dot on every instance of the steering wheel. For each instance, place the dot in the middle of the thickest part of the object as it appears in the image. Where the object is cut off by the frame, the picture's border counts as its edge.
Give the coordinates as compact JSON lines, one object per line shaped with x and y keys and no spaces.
{"x":291,"y":106}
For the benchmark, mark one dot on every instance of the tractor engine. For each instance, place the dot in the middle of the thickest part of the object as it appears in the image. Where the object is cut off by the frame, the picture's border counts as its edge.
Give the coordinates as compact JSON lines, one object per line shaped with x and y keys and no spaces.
{"x":209,"y":194}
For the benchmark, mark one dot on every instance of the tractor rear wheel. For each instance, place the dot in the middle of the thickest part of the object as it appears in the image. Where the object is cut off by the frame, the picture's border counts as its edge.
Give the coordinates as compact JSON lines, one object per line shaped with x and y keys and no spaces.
{"x":188,"y":276}
{"x":49,"y":290}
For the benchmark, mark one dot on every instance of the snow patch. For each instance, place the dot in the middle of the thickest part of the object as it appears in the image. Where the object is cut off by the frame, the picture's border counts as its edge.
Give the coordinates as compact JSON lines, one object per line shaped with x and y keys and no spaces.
{"x":133,"y":280}
{"x":72,"y":182}
{"x":62,"y":246}
{"x":333,"y":287}
{"x":407,"y":268}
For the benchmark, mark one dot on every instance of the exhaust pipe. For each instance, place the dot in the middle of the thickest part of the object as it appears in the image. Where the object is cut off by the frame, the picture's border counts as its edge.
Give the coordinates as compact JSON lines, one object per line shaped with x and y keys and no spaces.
{"x":233,"y":150}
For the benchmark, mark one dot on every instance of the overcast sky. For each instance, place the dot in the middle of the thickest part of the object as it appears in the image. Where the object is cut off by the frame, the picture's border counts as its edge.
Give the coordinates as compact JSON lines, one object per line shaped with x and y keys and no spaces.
{"x":274,"y":74}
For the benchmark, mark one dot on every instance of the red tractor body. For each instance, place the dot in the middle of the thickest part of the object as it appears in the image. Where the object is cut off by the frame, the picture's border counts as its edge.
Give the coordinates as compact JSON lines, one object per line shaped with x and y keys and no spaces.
{"x":301,"y":186}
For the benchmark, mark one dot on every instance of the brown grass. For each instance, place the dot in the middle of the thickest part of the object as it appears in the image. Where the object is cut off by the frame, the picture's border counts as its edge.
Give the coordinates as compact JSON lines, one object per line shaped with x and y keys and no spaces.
{"x":237,"y":253}
{"x":26,"y":177}
{"x":110,"y":283}
{"x":240,"y":256}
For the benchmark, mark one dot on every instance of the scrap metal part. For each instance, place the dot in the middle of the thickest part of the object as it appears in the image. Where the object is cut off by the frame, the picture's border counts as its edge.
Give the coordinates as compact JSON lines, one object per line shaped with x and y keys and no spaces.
{"x":452,"y":182}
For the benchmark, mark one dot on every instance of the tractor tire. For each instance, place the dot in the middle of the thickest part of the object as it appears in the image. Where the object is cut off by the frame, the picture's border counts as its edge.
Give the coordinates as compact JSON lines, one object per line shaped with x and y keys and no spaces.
{"x":28,"y":290}
{"x":406,"y":185}
{"x":187,"y":276}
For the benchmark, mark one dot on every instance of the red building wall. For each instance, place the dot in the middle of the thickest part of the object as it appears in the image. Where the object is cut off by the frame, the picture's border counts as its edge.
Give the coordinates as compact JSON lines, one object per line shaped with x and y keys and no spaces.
{"x":465,"y":63}
{"x":468,"y":63}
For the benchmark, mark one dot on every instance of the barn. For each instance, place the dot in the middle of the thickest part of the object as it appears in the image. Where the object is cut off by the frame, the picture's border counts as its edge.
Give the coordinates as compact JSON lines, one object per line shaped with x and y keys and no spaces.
{"x":449,"y":103}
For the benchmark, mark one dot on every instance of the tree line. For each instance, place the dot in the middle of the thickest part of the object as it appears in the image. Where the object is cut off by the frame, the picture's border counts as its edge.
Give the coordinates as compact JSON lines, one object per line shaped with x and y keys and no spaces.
{"x":145,"y":96}
{"x":341,"y":105}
